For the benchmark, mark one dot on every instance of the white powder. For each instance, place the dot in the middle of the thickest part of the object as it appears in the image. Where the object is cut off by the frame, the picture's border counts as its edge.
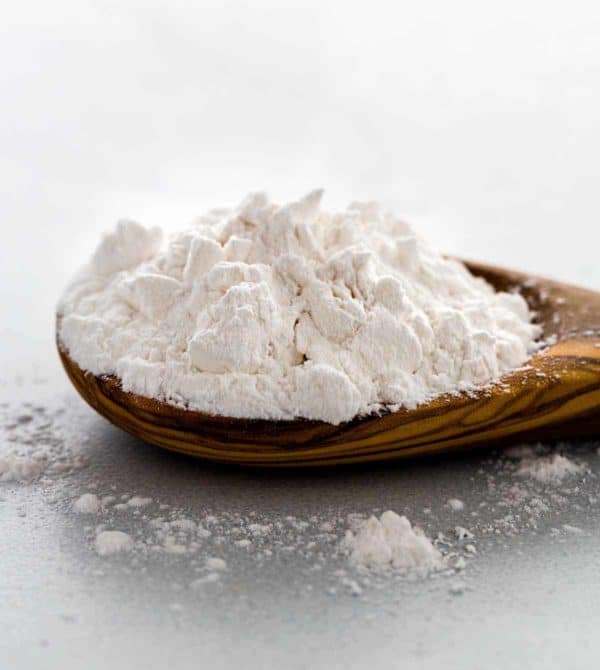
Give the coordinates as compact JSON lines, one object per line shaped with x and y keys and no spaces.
{"x":462,"y":533}
{"x":88,"y":503}
{"x":279,"y":312}
{"x":138,"y":501}
{"x":391,"y":541}
{"x":38,"y":442}
{"x":110,"y":542}
{"x":574,"y":530}
{"x":15,"y":468}
{"x":209,"y":549}
{"x":551,"y":468}
{"x":214,"y":563}
{"x":210,"y":578}
{"x":258,"y":529}
{"x":456,"y":504}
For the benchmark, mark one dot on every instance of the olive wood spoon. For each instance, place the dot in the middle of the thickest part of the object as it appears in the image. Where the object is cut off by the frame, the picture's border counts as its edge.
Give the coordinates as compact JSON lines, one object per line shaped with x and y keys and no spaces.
{"x":555,"y":395}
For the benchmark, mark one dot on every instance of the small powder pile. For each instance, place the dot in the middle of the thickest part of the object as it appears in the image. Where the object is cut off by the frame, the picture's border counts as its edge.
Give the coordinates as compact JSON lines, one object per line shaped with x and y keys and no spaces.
{"x":14,"y":468}
{"x":281,"y":312}
{"x":110,"y":542}
{"x":88,"y":503}
{"x":37,"y":442}
{"x":551,"y":468}
{"x":391,"y":541}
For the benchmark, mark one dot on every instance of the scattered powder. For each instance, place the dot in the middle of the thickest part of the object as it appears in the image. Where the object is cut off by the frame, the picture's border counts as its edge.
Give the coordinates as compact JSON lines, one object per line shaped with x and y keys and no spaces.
{"x":391,"y":541}
{"x":209,"y":548}
{"x":456,"y":504}
{"x":278,"y":312}
{"x":574,"y":530}
{"x":258,"y":529}
{"x":21,"y":468}
{"x":214,"y":563}
{"x":210,"y":578}
{"x":551,"y":468}
{"x":88,"y":503}
{"x":462,"y":533}
{"x":40,"y":443}
{"x":110,"y":542}
{"x":459,"y":563}
{"x":352,"y":585}
{"x":138,"y":501}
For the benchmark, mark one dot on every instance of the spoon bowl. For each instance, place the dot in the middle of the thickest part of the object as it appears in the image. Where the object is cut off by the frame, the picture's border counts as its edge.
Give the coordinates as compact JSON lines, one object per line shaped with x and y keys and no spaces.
{"x":556,"y":395}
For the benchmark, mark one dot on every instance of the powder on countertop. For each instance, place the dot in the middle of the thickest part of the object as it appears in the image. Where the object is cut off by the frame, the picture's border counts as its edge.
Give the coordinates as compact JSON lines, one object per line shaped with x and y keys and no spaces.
{"x":207,"y":549}
{"x":456,"y":504}
{"x":462,"y":533}
{"x":215,"y":563}
{"x":138,"y":501}
{"x":110,"y":542}
{"x":88,"y":503}
{"x":15,"y":468}
{"x":550,"y":468}
{"x":391,"y":541}
{"x":279,"y":312}
{"x":38,"y":444}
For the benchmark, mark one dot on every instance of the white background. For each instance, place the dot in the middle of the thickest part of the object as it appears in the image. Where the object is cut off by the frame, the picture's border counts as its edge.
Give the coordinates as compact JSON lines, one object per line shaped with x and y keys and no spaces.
{"x":477,"y":121}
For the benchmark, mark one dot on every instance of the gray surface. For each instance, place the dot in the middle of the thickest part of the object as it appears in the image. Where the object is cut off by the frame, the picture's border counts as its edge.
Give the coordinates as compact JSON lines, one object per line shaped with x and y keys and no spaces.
{"x":157,"y":114}
{"x":530,"y":597}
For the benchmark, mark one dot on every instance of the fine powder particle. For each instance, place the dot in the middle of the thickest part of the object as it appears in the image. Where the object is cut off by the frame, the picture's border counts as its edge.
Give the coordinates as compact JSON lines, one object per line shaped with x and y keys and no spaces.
{"x":38,"y":442}
{"x":88,"y":503}
{"x":391,"y":541}
{"x":551,"y":468}
{"x":20,"y":468}
{"x":456,"y":504}
{"x":214,"y":563}
{"x":113,"y":542}
{"x":282,"y":312}
{"x":138,"y":501}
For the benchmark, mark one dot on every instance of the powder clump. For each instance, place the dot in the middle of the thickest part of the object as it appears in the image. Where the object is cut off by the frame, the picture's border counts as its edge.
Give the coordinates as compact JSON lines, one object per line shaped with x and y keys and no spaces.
{"x":551,"y":468}
{"x":283,"y":312}
{"x":20,"y":468}
{"x":88,"y":503}
{"x":110,"y":542}
{"x":391,"y":542}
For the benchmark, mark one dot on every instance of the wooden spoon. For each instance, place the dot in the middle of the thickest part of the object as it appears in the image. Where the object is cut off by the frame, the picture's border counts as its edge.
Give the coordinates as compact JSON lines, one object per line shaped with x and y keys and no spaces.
{"x":556,"y":395}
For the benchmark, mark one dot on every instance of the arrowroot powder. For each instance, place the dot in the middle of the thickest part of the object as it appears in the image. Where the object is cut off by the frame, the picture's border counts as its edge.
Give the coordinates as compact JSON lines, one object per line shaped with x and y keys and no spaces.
{"x":282,"y":312}
{"x":391,"y":542}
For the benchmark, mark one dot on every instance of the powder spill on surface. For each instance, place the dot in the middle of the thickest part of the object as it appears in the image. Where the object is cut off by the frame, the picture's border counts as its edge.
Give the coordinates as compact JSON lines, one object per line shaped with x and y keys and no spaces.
{"x":355,"y":554}
{"x":21,"y":468}
{"x":110,"y":542}
{"x":391,"y":541}
{"x":138,"y":501}
{"x":456,"y":504}
{"x":278,"y":312}
{"x":88,"y":503}
{"x":551,"y":468}
{"x":38,"y":444}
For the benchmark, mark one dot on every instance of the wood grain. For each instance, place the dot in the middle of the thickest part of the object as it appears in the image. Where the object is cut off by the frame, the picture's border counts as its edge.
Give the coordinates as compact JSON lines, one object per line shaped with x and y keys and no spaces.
{"x":557,"y":395}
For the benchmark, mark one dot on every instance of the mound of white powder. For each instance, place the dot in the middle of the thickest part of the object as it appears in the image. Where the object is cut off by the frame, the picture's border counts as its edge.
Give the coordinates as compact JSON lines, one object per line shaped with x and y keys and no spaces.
{"x":88,"y":503}
{"x":110,"y":542}
{"x":281,"y":312}
{"x":550,"y":468}
{"x":391,"y":541}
